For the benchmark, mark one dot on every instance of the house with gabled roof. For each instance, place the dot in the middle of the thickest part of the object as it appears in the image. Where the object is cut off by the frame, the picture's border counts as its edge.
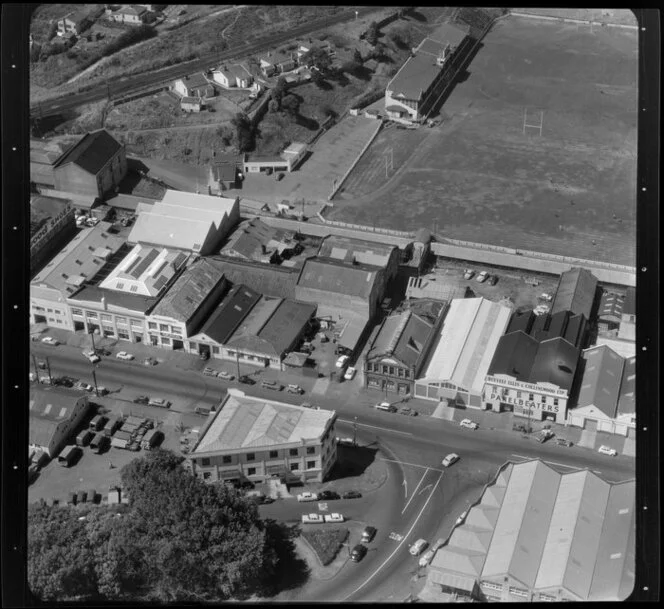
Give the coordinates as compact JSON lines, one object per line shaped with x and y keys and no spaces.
{"x":75,"y":23}
{"x":194,"y":85}
{"x":93,"y":166}
{"x":134,"y":14}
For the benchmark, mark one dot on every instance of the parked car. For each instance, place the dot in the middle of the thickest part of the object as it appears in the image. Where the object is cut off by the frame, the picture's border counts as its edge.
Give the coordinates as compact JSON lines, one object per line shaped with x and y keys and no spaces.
{"x":545,"y":296}
{"x":334,"y":517}
{"x":226,"y":376}
{"x":210,"y":371}
{"x":246,"y":380}
{"x":386,"y":406}
{"x":273,"y":385}
{"x":469,"y":424}
{"x":425,"y":559}
{"x":462,"y":517}
{"x":49,"y":340}
{"x":124,"y":355}
{"x":342,"y":361}
{"x":312,"y":519}
{"x":92,"y":356}
{"x":149,"y":361}
{"x":358,"y":552}
{"x":141,"y":399}
{"x":295,"y":389}
{"x":468,"y":274}
{"x":307,"y":496}
{"x":63,"y":381}
{"x":368,"y":534}
{"x":352,"y":495}
{"x":563,"y":442}
{"x":159,"y":402}
{"x":607,"y":450}
{"x":328,"y":495}
{"x":407,"y":410}
{"x":418,"y":547}
{"x":202,"y":410}
{"x":82,"y":386}
{"x":204,"y":355}
{"x":544,"y":435}
{"x":493,"y":280}
{"x":482,"y":277}
{"x":102,"y":351}
{"x":451,"y":459}
{"x":350,"y":373}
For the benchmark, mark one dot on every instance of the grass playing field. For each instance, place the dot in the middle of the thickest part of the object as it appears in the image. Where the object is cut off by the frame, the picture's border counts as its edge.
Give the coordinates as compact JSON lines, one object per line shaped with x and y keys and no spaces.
{"x":482,"y":177}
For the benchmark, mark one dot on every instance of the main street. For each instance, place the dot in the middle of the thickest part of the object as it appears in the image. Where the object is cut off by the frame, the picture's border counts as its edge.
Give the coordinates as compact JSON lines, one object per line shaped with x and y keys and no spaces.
{"x":128,"y":84}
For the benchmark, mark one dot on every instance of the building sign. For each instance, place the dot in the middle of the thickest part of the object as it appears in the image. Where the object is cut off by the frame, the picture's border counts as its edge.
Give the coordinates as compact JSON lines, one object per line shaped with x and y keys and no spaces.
{"x":525,"y":405}
{"x":530,"y":387}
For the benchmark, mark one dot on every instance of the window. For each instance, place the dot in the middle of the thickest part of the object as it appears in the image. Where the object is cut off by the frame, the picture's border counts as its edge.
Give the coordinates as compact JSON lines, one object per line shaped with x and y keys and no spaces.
{"x":36,"y":308}
{"x":293,"y":452}
{"x":274,"y":454}
{"x":58,"y":321}
{"x":251,"y":456}
{"x":120,"y":285}
{"x":57,"y":311}
{"x":384,"y":369}
{"x":49,"y":310}
{"x":311,"y":450}
{"x":518,"y":592}
{"x":105,"y":317}
{"x":294,"y":467}
{"x":163,"y":327}
{"x":151,"y":325}
{"x":206,"y":475}
{"x":543,"y":399}
{"x":555,"y":401}
{"x":91,"y":314}
{"x":133,"y":288}
{"x":391,"y":370}
{"x":406,"y":374}
{"x":531,"y":396}
{"x":123,"y":334}
{"x":215,"y":350}
{"x":227,"y":459}
{"x":491,"y":586}
{"x":400,"y":372}
{"x":205,"y":461}
{"x":251,"y":471}
{"x":73,"y":311}
{"x":165,"y":341}
{"x":136,"y":323}
{"x":547,"y":598}
{"x":311,"y":465}
{"x":51,"y":319}
{"x":176,"y":330}
{"x":121,"y":320}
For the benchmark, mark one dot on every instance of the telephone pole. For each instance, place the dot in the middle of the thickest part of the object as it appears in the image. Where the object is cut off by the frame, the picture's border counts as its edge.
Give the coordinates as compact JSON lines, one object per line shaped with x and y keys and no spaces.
{"x":34,"y":361}
{"x":94,"y":378}
{"x":48,"y":367}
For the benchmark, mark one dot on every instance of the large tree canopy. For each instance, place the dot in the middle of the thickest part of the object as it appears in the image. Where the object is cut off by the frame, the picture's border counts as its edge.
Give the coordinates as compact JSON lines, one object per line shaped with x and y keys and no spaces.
{"x":180,"y":540}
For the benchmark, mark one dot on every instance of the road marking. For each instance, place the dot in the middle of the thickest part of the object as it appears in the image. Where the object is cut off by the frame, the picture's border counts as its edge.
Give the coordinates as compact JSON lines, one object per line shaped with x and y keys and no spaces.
{"x":549,"y":462}
{"x":405,"y":488}
{"x":433,"y":469}
{"x":426,"y":487}
{"x":401,"y":542}
{"x":403,"y":433}
{"x":415,"y":491}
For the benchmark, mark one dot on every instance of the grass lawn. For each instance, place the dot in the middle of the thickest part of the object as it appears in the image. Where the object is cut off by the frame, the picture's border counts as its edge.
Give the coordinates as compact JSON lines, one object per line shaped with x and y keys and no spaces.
{"x":326,"y":542}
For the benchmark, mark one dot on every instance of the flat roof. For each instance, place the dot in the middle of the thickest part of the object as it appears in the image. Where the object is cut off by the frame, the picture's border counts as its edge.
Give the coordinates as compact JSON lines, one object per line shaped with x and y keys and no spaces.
{"x":347,"y":249}
{"x":122,"y":300}
{"x":348,"y":325}
{"x":468,"y":338}
{"x":243,"y":422}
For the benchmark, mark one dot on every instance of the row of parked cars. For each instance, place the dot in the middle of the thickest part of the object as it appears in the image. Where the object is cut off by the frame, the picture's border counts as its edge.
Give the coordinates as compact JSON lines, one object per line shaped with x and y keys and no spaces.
{"x":327,"y":496}
{"x":481,"y":277}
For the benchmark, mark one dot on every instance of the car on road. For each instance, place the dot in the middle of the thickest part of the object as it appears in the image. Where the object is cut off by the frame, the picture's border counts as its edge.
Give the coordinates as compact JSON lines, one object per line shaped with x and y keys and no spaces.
{"x":49,"y":340}
{"x":64,"y":381}
{"x":352,"y":495}
{"x":312,"y":519}
{"x":350,"y":373}
{"x":295,"y":389}
{"x":607,"y":450}
{"x":102,"y":351}
{"x":482,"y":277}
{"x":328,"y":495}
{"x":368,"y":534}
{"x":439,"y":544}
{"x":451,"y":459}
{"x":159,"y":402}
{"x":307,"y":496}
{"x":468,"y":274}
{"x":544,"y":435}
{"x":149,"y":361}
{"x":469,"y":424}
{"x":358,"y":552}
{"x":407,"y":410}
{"x":493,"y":280}
{"x":334,"y":517}
{"x":273,"y":385}
{"x":124,"y":355}
{"x":425,"y":559}
{"x":418,"y":547}
{"x":225,"y":375}
{"x":386,"y":406}
{"x":342,"y":361}
{"x":92,"y":356}
{"x":563,"y":442}
{"x":210,"y":372}
{"x":246,"y":380}
{"x":141,"y":399}
{"x":462,"y":517}
{"x":82,"y":386}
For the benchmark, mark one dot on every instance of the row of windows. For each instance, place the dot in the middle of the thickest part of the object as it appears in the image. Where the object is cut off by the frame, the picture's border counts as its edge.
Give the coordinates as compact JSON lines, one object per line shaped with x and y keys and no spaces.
{"x":391,"y":370}
{"x":518,"y":592}
{"x":273,"y":454}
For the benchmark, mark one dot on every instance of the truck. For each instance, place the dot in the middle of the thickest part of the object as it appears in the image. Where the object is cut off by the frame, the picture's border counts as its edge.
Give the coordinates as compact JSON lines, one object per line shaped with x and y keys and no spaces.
{"x":98,"y":422}
{"x":151,"y":439}
{"x":83,"y":438}
{"x":68,"y":455}
{"x":112,"y":425}
{"x":119,"y":443}
{"x":100,"y":442}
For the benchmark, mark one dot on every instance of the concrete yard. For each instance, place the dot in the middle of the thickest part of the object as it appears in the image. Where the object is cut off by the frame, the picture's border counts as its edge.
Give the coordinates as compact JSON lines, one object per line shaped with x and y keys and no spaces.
{"x":479,"y":177}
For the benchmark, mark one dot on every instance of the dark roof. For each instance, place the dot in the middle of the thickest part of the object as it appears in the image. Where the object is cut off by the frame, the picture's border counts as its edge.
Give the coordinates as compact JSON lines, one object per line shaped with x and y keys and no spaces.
{"x":191,"y":100}
{"x":224,"y":172}
{"x":91,"y":152}
{"x":576,"y":292}
{"x":521,"y":321}
{"x":348,"y":249}
{"x":230,"y":313}
{"x":355,"y":280}
{"x":403,"y":337}
{"x":626,"y":401}
{"x":629,"y":306}
{"x":555,"y":362}
{"x":43,"y":208}
{"x":600,"y":383}
{"x":539,"y":329}
{"x":514,"y":355}
{"x":558,"y":324}
{"x":255,"y":240}
{"x":575,"y":331}
{"x":125,"y":300}
{"x":414,"y":77}
{"x":195,"y":81}
{"x":286,"y":324}
{"x":268,"y":279}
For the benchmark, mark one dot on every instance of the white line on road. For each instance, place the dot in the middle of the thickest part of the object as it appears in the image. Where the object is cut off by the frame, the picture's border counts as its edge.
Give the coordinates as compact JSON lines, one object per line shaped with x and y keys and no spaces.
{"x":403,"y":433}
{"x":433,"y":469}
{"x":415,"y":491}
{"x":425,"y":488}
{"x":549,"y":462}
{"x":405,"y":488}
{"x":405,"y":537}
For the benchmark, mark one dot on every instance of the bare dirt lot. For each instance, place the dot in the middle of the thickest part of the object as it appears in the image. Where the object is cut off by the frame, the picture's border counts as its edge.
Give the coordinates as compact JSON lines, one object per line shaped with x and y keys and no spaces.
{"x":479,"y":177}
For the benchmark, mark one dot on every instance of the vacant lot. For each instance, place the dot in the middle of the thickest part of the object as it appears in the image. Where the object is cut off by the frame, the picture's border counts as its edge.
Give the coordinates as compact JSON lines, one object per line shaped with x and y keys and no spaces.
{"x":569,"y":191}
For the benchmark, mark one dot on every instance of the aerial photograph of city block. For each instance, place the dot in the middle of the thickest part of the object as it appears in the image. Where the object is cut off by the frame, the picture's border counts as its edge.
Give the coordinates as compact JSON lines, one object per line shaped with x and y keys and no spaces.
{"x":332,"y":303}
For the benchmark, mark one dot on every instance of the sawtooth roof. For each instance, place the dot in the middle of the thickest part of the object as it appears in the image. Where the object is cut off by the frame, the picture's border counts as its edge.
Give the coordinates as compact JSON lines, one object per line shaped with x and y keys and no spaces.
{"x":92,"y":152}
{"x":627,"y":400}
{"x":611,"y":306}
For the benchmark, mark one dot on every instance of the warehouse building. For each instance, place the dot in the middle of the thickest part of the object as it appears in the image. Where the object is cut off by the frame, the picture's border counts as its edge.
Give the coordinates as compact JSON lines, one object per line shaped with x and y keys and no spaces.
{"x":268,"y":279}
{"x":55,"y":415}
{"x":537,"y":535}
{"x":627,"y":329}
{"x":609,"y":314}
{"x":605,"y":400}
{"x":52,"y":225}
{"x":358,"y":251}
{"x":576,"y":292}
{"x":253,"y":240}
{"x":255,"y":439}
{"x":461,"y":356}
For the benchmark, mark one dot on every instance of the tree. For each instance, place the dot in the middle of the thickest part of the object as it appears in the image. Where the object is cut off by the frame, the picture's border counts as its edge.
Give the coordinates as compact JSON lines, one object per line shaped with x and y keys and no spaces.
{"x":357,"y":56}
{"x":318,"y":58}
{"x":291,"y":104}
{"x":273,"y":106}
{"x":244,"y":130}
{"x":372,"y":33}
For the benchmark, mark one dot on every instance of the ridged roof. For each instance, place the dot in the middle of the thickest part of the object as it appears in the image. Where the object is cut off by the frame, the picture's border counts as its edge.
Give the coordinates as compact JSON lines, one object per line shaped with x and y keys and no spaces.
{"x":92,"y":152}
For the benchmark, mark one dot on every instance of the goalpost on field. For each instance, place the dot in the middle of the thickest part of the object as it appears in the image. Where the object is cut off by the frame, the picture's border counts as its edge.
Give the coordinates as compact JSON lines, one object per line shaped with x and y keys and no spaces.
{"x":533,"y":125}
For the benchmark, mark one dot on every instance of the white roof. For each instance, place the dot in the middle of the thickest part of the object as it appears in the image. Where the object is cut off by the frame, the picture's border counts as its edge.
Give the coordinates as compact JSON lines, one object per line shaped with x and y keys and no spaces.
{"x":468,"y":338}
{"x":170,"y":231}
{"x":191,"y":200}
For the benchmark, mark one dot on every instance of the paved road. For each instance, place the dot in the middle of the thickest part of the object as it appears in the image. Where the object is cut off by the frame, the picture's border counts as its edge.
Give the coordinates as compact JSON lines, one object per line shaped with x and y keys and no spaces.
{"x":129,"y":84}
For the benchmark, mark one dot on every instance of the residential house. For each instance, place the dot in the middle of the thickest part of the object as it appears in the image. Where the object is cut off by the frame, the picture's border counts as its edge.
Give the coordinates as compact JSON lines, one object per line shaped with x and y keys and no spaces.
{"x":52,"y":225}
{"x":195,"y":85}
{"x":192,"y":104}
{"x":235,"y":75}
{"x":255,"y":439}
{"x":93,"y":167}
{"x":273,"y":63}
{"x":55,"y":415}
{"x":223,"y":172}
{"x":74,"y":23}
{"x":134,"y":14}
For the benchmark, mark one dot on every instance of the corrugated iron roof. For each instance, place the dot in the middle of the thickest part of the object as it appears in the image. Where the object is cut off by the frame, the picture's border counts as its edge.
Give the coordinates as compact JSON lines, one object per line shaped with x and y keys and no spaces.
{"x":330,"y":276}
{"x":602,"y":376}
{"x":268,"y":279}
{"x":629,"y":306}
{"x":627,"y":398}
{"x":92,"y":152}
{"x":230,"y":312}
{"x":576,"y":292}
{"x":347,"y":249}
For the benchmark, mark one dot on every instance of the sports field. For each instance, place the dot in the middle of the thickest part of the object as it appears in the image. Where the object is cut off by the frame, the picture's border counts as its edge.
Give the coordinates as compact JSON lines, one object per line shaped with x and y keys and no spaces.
{"x":568,"y":188}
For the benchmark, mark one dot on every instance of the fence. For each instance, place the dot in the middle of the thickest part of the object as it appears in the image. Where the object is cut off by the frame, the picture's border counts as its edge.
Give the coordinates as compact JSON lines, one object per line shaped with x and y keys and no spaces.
{"x":362,"y":227}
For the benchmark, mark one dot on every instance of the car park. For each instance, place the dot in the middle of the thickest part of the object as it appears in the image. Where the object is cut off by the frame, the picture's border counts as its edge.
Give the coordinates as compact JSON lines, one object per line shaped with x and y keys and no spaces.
{"x":352,"y":495}
{"x":358,"y":552}
{"x":328,"y":495}
{"x":450,"y":459}
{"x":468,"y":274}
{"x":124,"y":355}
{"x":425,"y":559}
{"x":226,"y":375}
{"x":49,"y":340}
{"x":607,"y":450}
{"x":342,"y":361}
{"x":273,"y":385}
{"x":493,"y":280}
{"x":482,"y":277}
{"x":312,"y":519}
{"x":159,"y":402}
{"x":368,"y":534}
{"x":334,"y":517}
{"x":92,"y":356}
{"x":295,"y":389}
{"x":350,"y":373}
{"x":469,"y":424}
{"x":418,"y":547}
{"x":307,"y":496}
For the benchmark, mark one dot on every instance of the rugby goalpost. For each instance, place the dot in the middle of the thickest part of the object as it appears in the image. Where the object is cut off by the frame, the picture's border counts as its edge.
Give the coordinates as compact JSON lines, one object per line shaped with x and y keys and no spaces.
{"x":538,"y":126}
